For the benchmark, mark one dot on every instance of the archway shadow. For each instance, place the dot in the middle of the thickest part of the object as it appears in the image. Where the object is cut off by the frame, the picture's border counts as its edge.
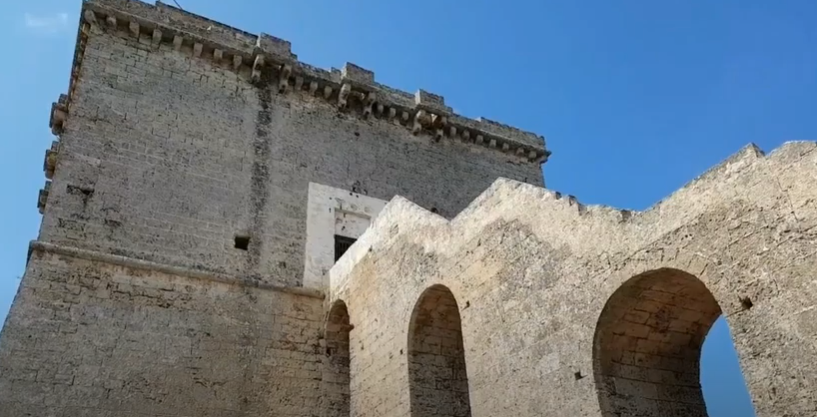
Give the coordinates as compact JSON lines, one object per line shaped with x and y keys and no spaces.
{"x":647,"y":346}
{"x":438,"y":380}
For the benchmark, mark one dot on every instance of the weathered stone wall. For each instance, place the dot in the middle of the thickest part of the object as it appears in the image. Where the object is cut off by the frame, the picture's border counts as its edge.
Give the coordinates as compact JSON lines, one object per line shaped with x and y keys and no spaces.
{"x":91,"y":338}
{"x":591,"y":311}
{"x":167,"y":153}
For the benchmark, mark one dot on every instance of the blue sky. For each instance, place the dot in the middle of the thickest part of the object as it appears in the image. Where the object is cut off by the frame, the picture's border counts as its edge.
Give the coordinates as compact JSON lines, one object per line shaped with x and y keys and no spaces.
{"x":635,"y":97}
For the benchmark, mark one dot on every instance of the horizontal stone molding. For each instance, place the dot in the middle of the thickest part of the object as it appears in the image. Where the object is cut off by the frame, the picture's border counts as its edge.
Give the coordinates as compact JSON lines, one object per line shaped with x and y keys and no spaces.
{"x":351,"y":89}
{"x":129,"y":262}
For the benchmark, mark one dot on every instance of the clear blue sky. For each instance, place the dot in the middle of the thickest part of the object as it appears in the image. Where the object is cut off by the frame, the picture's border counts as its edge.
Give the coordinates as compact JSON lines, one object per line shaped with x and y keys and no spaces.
{"x":635,"y":97}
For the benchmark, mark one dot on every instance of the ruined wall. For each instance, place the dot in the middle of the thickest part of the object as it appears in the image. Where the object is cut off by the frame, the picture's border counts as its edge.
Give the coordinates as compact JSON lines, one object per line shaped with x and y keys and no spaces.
{"x":175,"y":139}
{"x":591,"y":311}
{"x":91,"y":337}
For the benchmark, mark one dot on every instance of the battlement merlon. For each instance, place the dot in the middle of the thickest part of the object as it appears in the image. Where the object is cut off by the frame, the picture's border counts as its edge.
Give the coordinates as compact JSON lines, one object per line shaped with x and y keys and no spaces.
{"x":422,"y":111}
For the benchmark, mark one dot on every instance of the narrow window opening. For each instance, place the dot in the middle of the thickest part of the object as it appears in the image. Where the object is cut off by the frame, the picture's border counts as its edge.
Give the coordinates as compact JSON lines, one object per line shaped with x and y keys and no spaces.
{"x":242,"y":242}
{"x":342,"y":244}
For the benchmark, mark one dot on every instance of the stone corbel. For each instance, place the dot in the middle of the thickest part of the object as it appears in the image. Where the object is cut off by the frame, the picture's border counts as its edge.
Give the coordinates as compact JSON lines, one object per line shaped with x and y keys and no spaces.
{"x":438,"y":122}
{"x":50,"y":163}
{"x":256,"y":68}
{"x":177,"y":42}
{"x":197,"y":48}
{"x":532,"y":155}
{"x":283,"y":78}
{"x":313,"y":87}
{"x":59,"y":113}
{"x":419,"y":118}
{"x":157,"y":38}
{"x":379,"y":109}
{"x":111,"y":21}
{"x":480,"y":139}
{"x":466,"y":136}
{"x":368,"y":102}
{"x":327,"y":92}
{"x":218,"y":55}
{"x":343,"y":95}
{"x":90,"y":17}
{"x":42,"y":197}
{"x":134,"y":29}
{"x":237,"y":61}
{"x":299,"y":83}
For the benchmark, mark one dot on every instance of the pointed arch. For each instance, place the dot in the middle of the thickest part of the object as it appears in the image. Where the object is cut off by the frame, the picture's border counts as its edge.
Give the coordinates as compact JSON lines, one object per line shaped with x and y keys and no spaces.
{"x":438,"y":379}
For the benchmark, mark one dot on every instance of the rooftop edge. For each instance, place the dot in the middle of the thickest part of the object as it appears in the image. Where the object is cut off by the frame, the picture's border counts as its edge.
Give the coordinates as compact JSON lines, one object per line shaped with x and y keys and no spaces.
{"x":350,"y":86}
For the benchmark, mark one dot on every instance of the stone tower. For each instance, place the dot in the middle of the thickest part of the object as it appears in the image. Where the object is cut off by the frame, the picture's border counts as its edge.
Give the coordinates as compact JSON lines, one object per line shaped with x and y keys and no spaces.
{"x":203,"y":183}
{"x":229,"y":232}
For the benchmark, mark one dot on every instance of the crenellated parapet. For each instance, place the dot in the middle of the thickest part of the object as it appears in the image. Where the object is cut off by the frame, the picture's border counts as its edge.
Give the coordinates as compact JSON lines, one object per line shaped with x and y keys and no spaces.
{"x":352,"y":89}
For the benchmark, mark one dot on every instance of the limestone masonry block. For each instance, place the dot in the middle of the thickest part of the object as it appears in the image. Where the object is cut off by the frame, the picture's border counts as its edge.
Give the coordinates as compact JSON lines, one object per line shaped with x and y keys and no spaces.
{"x":275,"y":46}
{"x":424,"y":99}
{"x":356,"y":74}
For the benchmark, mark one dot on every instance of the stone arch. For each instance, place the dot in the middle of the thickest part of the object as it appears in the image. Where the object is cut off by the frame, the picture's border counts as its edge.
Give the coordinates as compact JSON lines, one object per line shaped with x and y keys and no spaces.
{"x":336,"y":376}
{"x":438,"y":380}
{"x":647,"y":345}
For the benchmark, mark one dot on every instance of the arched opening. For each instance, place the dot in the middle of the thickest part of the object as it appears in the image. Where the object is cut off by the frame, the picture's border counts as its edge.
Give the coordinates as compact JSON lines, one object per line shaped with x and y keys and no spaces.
{"x":722,"y":382}
{"x":438,"y":381}
{"x":647,"y":346}
{"x":336,"y":364}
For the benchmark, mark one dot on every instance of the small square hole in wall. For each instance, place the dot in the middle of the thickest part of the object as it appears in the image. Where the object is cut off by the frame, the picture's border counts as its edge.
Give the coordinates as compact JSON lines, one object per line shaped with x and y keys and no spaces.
{"x":242,"y":242}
